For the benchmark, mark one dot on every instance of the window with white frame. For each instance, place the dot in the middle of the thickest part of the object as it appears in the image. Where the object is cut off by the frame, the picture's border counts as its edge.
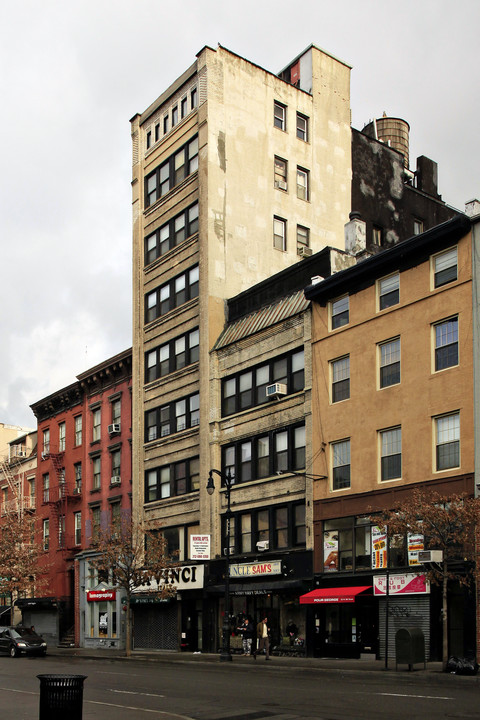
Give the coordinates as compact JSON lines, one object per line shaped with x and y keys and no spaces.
{"x":417,"y":227}
{"x":389,"y":291}
{"x":116,"y":410}
{"x":303,"y":184}
{"x":340,"y":373}
{"x":279,"y":233}
{"x":115,"y":457}
{"x":303,"y":238}
{"x":61,"y":437}
{"x":445,"y":267}
{"x":447,"y":441}
{"x":46,"y":534}
{"x":96,"y":424}
{"x":78,"y":476}
{"x":340,"y":312}
{"x":446,"y":343}
{"x":61,"y":531}
{"x":46,"y":441}
{"x":341,"y":464}
{"x":97,"y":474}
{"x":302,"y":127}
{"x":46,"y":487}
{"x":279,"y":115}
{"x":78,"y":430}
{"x":389,"y":359}
{"x":391,"y":454}
{"x":280,"y":173}
{"x":78,"y":527}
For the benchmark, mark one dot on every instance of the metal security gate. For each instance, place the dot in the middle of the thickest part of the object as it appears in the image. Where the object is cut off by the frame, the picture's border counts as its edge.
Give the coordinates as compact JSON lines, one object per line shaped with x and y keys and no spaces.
{"x":404,"y":611}
{"x":155,"y":627}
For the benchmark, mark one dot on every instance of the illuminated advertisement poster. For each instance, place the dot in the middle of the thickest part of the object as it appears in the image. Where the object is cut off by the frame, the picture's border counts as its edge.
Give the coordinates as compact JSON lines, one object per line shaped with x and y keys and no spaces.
{"x":330,"y":550}
{"x":379,"y":547}
{"x":415,"y":543}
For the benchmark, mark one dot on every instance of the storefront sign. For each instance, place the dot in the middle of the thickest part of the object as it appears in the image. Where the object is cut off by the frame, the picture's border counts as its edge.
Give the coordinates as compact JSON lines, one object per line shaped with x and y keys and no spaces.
{"x":100,"y":595}
{"x":256,"y":569}
{"x":407,"y":584}
{"x":415,"y":543}
{"x":184,"y":577}
{"x":330,"y":550}
{"x":379,"y":547}
{"x":200,"y":547}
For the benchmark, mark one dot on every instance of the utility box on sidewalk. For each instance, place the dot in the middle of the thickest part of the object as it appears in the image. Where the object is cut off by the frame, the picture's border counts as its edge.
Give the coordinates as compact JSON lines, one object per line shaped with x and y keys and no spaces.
{"x":409,"y":647}
{"x":61,"y":697}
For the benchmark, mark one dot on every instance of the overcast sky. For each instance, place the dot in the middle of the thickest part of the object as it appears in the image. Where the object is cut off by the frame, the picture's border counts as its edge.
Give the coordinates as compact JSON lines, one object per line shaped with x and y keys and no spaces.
{"x":73,"y":73}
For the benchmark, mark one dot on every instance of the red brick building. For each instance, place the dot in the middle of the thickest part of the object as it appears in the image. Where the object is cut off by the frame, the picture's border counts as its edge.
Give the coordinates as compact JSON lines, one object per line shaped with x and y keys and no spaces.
{"x":83,"y":479}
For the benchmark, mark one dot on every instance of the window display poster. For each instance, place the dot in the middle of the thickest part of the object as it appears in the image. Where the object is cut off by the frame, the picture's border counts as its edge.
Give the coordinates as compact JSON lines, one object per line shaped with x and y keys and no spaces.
{"x":379,"y":547}
{"x":200,"y":547}
{"x":415,"y":543}
{"x":330,"y":550}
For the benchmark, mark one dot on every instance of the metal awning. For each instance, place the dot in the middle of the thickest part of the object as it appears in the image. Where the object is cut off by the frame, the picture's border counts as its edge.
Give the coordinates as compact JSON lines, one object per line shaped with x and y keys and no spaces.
{"x":333,"y":595}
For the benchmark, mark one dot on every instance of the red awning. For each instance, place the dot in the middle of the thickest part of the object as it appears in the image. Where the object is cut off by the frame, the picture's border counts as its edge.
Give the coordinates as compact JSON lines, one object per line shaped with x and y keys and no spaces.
{"x":333,"y":595}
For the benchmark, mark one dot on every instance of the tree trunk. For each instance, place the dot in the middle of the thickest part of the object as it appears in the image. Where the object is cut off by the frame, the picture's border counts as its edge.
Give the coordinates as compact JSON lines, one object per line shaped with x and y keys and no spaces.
{"x":444,"y":620}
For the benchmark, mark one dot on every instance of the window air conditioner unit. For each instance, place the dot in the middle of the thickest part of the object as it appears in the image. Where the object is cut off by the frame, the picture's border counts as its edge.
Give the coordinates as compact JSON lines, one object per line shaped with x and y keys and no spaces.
{"x":77,"y":490}
{"x":304,"y":251}
{"x":113,"y":428}
{"x":276,"y":390}
{"x":232,"y":550}
{"x":45,"y":455}
{"x":281,"y":184}
{"x":263,"y":545}
{"x":115,"y":480}
{"x":427,"y":556}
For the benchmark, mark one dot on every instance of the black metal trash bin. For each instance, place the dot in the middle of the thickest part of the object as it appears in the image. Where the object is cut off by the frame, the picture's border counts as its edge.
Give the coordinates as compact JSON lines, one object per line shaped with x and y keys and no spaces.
{"x":61,"y":697}
{"x":410,"y":647}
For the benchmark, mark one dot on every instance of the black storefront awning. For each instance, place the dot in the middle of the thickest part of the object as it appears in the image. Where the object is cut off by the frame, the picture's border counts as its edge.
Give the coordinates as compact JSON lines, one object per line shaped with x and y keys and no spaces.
{"x":37,"y":603}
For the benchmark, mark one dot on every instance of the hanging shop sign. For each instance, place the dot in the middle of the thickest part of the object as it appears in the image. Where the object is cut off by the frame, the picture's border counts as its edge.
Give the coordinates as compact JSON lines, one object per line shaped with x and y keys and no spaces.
{"x":405,"y":584}
{"x":415,"y":544}
{"x":100,"y":595}
{"x":200,"y":547}
{"x":243,"y":570}
{"x":183,"y":577}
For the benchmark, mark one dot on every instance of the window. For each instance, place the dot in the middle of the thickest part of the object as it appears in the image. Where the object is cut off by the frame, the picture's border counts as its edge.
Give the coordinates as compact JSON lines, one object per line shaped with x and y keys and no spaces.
{"x":176,"y":292}
{"x":340,"y":312}
{"x":171,"y":172}
{"x":279,"y":115}
{"x":149,"y":139}
{"x":171,"y":234}
{"x":78,"y":430}
{"x":78,"y":476}
{"x":377,"y":236}
{"x":446,"y":343}
{"x":157,"y":132}
{"x":61,"y":531}
{"x":183,"y":107}
{"x":303,"y":184}
{"x":46,"y":441}
{"x":389,"y":291}
{"x":391,"y":454}
{"x":278,"y":451}
{"x":172,"y":356}
{"x":115,"y":516}
{"x":165,"y":125}
{"x":78,"y":527}
{"x":95,"y":522}
{"x":417,"y":227}
{"x":341,"y":465}
{"x":46,"y":534}
{"x":279,"y":233}
{"x":171,"y":418}
{"x":280,"y":173}
{"x":46,"y":488}
{"x":96,"y":473}
{"x":445,"y":267}
{"x":170,"y":480}
{"x":61,"y":437}
{"x":303,"y":238}
{"x":174,"y":115}
{"x":302,"y":127}
{"x":282,"y":526}
{"x":193,"y":98}
{"x":96,"y":424}
{"x":389,"y":363}
{"x":115,"y":457}
{"x":248,"y":388}
{"x":340,"y":370}
{"x":447,"y":432}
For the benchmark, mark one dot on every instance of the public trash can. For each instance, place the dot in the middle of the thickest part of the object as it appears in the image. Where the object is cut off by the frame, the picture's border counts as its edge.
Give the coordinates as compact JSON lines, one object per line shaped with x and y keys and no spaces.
{"x":61,"y":697}
{"x":409,"y":647}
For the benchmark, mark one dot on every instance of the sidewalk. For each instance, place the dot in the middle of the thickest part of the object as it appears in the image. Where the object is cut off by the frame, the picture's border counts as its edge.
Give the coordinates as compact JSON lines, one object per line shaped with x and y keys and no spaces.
{"x":326,"y":664}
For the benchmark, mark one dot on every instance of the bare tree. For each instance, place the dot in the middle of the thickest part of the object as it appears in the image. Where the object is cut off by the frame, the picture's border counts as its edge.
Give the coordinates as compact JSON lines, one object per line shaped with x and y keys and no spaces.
{"x":448,"y":523}
{"x":21,"y":573}
{"x":134,"y":557}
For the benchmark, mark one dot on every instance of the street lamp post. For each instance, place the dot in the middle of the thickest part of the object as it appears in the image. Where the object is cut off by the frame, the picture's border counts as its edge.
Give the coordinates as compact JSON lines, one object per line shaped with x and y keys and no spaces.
{"x":225,"y":654}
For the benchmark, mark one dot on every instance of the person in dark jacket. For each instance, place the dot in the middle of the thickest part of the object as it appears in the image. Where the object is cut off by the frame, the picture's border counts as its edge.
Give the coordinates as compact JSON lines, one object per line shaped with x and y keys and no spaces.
{"x":263,"y":638}
{"x":247,"y":631}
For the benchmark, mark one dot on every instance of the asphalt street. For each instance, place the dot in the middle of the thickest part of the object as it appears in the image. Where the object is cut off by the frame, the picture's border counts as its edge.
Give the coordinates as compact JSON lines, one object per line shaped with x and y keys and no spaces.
{"x":119,"y":689}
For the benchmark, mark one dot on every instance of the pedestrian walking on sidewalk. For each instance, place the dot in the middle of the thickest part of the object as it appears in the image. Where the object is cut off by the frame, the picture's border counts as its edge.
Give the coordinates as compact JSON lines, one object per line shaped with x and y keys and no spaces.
{"x":263,"y":638}
{"x":246,"y":629}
